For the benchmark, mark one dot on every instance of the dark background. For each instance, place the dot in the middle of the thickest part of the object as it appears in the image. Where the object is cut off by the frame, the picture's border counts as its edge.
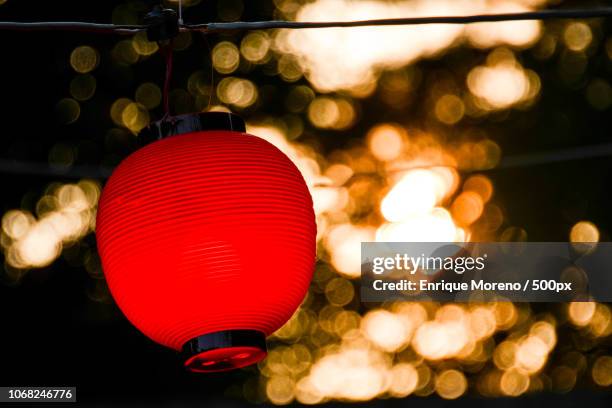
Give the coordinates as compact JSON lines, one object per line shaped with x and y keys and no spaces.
{"x":53,"y":333}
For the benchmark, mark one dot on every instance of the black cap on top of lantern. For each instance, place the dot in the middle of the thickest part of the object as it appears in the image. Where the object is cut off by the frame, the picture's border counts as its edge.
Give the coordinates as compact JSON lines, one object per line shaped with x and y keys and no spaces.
{"x":192,"y":122}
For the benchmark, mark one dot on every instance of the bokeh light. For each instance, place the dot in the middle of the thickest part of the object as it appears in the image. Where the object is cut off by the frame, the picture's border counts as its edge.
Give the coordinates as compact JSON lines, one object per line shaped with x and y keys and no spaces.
{"x":84,"y":59}
{"x":352,"y":59}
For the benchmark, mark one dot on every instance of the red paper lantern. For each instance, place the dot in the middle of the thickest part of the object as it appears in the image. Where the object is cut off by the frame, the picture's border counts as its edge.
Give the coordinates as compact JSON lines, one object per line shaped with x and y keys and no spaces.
{"x":207,"y":240}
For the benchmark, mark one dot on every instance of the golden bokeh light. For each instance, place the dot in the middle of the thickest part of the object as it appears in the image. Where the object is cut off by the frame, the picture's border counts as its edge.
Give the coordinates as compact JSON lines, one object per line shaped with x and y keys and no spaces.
{"x":480,"y":185}
{"x":344,"y":243}
{"x":16,"y":223}
{"x":404,"y":380}
{"x":84,"y":59}
{"x":417,"y":193}
{"x":531,"y":354}
{"x":577,"y":36}
{"x":117,"y":108}
{"x":83,"y":87}
{"x":142,"y":45}
{"x":339,"y":291}
{"x":581,"y":313}
{"x":64,"y":217}
{"x":386,"y":141}
{"x":467,"y":208}
{"x":238,"y":92}
{"x":584,"y":231}
{"x":388,"y":331}
{"x":124,"y":53}
{"x":331,"y":113}
{"x":135,"y":117}
{"x":352,"y":59}
{"x":148,"y":95}
{"x":602,"y":371}
{"x":449,"y":109}
{"x":255,"y":47}
{"x":519,"y":34}
{"x":514,"y":382}
{"x":451,"y":384}
{"x":502,"y":83}
{"x":225,"y":57}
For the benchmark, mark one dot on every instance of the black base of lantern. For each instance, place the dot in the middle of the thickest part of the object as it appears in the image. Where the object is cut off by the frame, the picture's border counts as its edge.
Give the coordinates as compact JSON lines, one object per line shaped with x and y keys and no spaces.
{"x":224,"y":350}
{"x":192,"y":122}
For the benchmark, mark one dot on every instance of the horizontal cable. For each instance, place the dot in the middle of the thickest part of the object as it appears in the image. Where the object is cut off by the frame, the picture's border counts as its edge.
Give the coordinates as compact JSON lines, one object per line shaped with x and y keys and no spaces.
{"x":263,"y":25}
{"x":481,"y":18}
{"x":72,"y":26}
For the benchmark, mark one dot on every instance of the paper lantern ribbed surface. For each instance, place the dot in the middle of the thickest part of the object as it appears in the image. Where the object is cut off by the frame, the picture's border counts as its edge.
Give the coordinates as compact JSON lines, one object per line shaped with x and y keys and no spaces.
{"x":207,"y":232}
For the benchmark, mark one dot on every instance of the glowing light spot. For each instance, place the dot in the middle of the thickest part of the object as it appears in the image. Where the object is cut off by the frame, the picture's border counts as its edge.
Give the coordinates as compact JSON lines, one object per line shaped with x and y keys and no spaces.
{"x":531,"y":354}
{"x":40,"y":246}
{"x":480,"y":185}
{"x":501,"y":87}
{"x":451,"y":384}
{"x":84,"y":59}
{"x":353,"y":58}
{"x":516,"y":33}
{"x":436,"y":226}
{"x":602,"y":371}
{"x":563,"y":379}
{"x":279,"y":390}
{"x":148,"y":95}
{"x":124,"y":53}
{"x":467,"y":208}
{"x":581,"y":313}
{"x":225,"y":57}
{"x":355,"y":374}
{"x":482,"y":322}
{"x":255,"y":46}
{"x":16,"y":223}
{"x":577,"y":36}
{"x":514,"y":383}
{"x":386,"y":141}
{"x":330,"y":113}
{"x":436,"y":340}
{"x":449,"y":109}
{"x":237,"y":92}
{"x":143,"y":46}
{"x":344,"y":244}
{"x":584,"y":231}
{"x":404,"y":379}
{"x":416,"y":193}
{"x":135,"y":117}
{"x":339,"y":291}
{"x":389,"y":331}
{"x":504,"y":355}
{"x":117,"y":108}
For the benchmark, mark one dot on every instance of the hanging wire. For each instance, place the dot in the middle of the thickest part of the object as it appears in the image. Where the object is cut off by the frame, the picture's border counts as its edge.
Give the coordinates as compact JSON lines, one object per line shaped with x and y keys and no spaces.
{"x":262,"y":25}
{"x":480,"y":18}
{"x":73,"y":26}
{"x":168,"y":53}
